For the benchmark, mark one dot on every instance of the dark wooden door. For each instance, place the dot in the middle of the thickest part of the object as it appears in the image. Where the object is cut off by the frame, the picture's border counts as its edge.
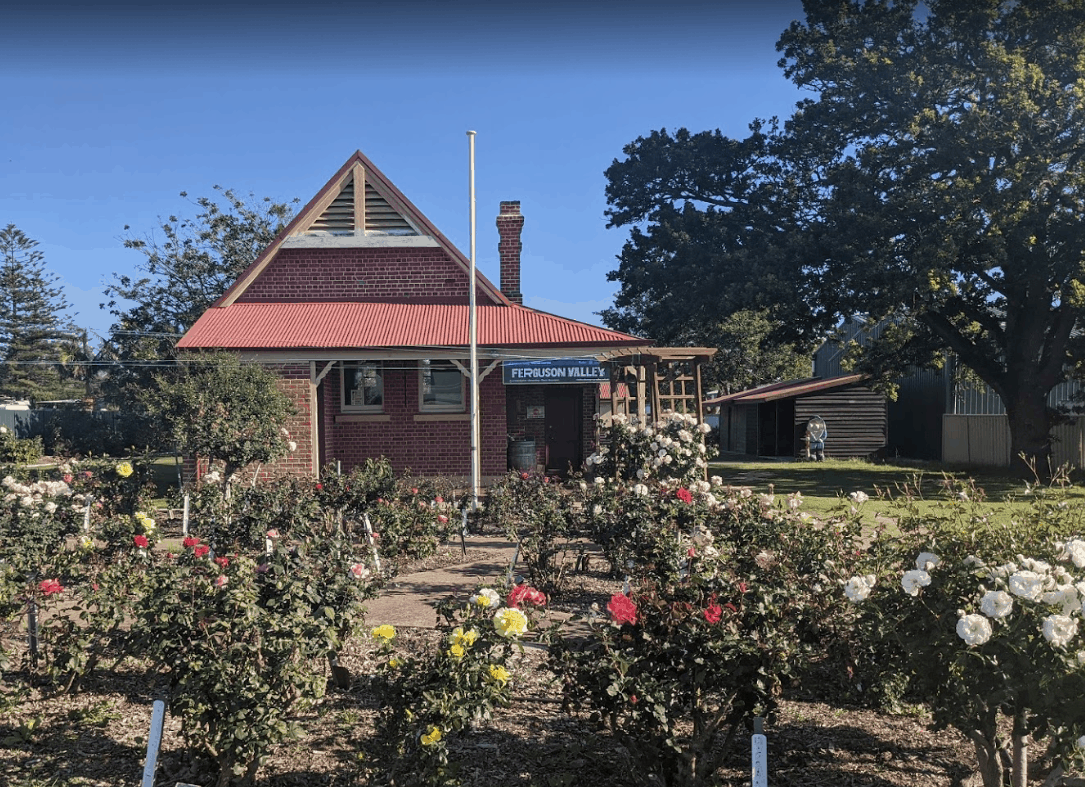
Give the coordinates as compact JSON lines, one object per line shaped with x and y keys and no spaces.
{"x":562,"y":418}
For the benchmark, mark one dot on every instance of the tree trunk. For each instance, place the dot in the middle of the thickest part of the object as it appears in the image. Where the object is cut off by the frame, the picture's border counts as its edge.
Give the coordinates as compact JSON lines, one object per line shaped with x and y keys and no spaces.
{"x":1030,"y":431}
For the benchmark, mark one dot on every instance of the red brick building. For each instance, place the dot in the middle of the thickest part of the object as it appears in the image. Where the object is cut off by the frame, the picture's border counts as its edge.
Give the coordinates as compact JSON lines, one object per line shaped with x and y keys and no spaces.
{"x":361,"y":306}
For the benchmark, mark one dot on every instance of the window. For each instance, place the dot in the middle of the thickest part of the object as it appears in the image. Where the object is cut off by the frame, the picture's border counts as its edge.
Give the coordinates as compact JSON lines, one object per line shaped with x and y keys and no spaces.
{"x":363,"y":386}
{"x":442,"y":388}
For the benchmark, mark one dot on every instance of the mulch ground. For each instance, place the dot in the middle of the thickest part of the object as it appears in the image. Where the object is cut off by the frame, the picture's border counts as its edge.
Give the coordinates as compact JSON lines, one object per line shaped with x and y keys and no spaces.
{"x":98,"y":737}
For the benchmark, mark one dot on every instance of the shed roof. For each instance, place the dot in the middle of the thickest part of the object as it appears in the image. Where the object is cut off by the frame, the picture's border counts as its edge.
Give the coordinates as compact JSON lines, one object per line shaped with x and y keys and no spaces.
{"x":786,"y":390}
{"x":323,"y":325}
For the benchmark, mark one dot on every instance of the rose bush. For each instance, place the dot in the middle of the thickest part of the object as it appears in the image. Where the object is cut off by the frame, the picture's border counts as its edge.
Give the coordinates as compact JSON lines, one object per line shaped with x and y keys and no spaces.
{"x":727,"y":599}
{"x":428,"y":699}
{"x":671,"y":449}
{"x":960,"y":614}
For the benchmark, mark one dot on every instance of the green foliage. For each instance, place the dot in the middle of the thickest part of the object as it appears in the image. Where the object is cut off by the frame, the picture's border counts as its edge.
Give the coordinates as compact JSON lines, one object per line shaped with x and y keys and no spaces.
{"x":672,"y":449}
{"x":726,"y":602}
{"x":186,"y":270}
{"x":217,"y":408}
{"x":748,"y":355}
{"x":16,"y":450}
{"x":533,"y":512}
{"x":932,"y":181}
{"x":240,"y":639}
{"x":922,"y":583}
{"x":34,"y":337}
{"x":429,"y":698}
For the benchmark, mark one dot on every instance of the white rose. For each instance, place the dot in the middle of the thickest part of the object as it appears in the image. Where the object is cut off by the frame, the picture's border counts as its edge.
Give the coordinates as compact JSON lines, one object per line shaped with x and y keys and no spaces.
{"x":1027,"y":585}
{"x":640,"y":490}
{"x":927,"y":561}
{"x":913,"y":580}
{"x":859,"y":497}
{"x":1074,"y":550}
{"x":996,"y":604}
{"x":858,"y":588}
{"x":292,"y":446}
{"x":974,"y":629}
{"x":1059,"y":629}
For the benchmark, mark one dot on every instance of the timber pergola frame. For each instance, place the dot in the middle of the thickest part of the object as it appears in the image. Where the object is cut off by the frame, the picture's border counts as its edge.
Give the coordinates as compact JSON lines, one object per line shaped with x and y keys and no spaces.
{"x":665,"y":378}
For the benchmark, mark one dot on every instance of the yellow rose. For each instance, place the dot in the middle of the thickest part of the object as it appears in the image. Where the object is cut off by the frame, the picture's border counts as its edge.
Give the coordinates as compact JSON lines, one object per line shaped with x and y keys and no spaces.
{"x":394,"y":663}
{"x":510,"y":622}
{"x":124,"y":469}
{"x":456,"y":651}
{"x":499,"y":674}
{"x":432,"y":736}
{"x":464,"y":638}
{"x":385,"y":632}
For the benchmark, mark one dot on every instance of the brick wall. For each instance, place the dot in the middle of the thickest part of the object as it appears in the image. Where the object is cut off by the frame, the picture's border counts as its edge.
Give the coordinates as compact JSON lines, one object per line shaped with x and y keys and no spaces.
{"x":518,"y":398}
{"x":427,"y":447}
{"x":427,"y":274}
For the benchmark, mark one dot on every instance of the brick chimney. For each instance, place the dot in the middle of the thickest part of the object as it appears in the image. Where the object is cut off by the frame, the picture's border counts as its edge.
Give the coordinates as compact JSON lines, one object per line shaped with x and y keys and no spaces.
{"x":509,"y":225}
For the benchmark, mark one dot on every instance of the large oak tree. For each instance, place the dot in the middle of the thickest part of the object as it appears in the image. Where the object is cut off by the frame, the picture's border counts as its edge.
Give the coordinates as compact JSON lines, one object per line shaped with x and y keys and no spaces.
{"x":935,"y":178}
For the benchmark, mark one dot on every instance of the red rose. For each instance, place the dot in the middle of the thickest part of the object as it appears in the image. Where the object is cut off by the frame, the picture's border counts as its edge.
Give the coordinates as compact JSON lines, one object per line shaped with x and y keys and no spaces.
{"x":141,"y":542}
{"x":546,"y":479}
{"x":741,"y":587}
{"x":223,"y":561}
{"x":319,"y":487}
{"x":684,"y":495}
{"x":713,"y":613}
{"x":731,"y":606}
{"x":201,"y":549}
{"x":622,"y":609}
{"x":414,"y":490}
{"x":442,"y":519}
{"x":523,"y":476}
{"x":525,"y":594}
{"x":50,"y":586}
{"x":691,"y":552}
{"x":633,"y":698}
{"x":67,"y":478}
{"x":440,"y":499}
{"x":190,"y":541}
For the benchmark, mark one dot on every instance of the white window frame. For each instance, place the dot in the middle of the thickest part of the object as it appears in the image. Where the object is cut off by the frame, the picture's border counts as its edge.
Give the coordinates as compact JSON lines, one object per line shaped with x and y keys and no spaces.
{"x":434,"y":407}
{"x":344,"y":402}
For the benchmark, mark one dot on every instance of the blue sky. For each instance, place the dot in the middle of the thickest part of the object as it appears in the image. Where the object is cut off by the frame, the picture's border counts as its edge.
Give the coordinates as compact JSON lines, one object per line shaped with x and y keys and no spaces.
{"x":111,"y":111}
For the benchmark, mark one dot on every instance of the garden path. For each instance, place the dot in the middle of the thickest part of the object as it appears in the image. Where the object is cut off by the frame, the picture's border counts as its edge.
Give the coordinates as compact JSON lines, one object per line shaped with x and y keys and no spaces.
{"x":408,"y":599}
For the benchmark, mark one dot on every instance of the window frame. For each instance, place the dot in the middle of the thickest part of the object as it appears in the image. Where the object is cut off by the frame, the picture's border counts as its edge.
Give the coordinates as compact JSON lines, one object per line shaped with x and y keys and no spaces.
{"x":344,"y":404}
{"x":433,"y":407}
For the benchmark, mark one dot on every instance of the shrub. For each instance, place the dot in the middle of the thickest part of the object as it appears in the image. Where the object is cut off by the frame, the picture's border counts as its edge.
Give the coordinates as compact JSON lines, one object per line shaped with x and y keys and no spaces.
{"x":18,"y":451}
{"x":428,"y":699}
{"x":981,"y":621}
{"x":671,"y":449}
{"x":240,"y":638}
{"x":727,"y":600}
{"x":533,"y":511}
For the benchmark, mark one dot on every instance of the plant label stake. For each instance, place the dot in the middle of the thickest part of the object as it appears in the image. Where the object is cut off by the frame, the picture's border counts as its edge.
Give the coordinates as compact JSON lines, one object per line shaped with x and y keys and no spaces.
{"x":372,"y":541}
{"x":86,"y":515}
{"x":184,"y":518}
{"x":154,"y":740}
{"x":512,"y":566}
{"x":32,"y":630}
{"x":463,"y":532}
{"x":759,"y":767}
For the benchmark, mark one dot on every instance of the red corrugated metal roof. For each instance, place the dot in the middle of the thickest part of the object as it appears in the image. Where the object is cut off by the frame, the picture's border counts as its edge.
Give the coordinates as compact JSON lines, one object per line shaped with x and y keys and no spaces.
{"x":276,"y":326}
{"x":774,"y":391}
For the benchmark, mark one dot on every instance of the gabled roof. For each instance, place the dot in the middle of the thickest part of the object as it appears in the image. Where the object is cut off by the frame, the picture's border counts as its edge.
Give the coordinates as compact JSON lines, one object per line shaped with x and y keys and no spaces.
{"x":786,"y":390}
{"x":358,"y":206}
{"x":328,"y":326}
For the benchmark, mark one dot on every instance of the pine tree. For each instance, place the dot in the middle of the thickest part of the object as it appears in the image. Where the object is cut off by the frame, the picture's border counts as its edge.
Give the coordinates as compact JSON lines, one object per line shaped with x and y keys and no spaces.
{"x":34,"y":333}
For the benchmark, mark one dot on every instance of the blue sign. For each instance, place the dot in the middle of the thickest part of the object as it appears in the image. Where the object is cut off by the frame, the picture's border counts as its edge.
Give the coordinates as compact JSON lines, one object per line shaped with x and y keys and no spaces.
{"x":553,"y":370}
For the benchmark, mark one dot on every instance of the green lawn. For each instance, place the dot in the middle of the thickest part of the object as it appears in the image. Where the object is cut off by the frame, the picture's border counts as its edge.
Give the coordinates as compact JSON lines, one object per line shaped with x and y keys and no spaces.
{"x":822,"y":484}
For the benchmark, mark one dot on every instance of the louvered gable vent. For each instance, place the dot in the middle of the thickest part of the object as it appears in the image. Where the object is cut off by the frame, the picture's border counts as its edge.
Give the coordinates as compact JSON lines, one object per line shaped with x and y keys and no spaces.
{"x":380,"y":216}
{"x":339,"y":216}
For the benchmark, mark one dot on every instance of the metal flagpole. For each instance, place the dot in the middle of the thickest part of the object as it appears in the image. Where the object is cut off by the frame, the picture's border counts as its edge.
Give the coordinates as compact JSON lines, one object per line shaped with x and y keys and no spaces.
{"x":476,"y":465}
